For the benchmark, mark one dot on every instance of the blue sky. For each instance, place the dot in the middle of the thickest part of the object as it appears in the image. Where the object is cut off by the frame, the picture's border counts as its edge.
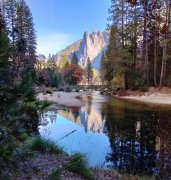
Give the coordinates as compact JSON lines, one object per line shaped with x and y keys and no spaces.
{"x":59,"y":23}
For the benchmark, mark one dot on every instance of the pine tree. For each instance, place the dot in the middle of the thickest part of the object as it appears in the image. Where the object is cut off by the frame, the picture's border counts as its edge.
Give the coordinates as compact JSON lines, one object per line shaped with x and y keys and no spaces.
{"x":165,"y":42}
{"x":19,"y":106}
{"x":141,"y":62}
{"x":25,"y":42}
{"x":20,"y":22}
{"x":9,"y":13}
{"x":102,"y":69}
{"x":74,"y":59}
{"x":88,"y":71}
{"x":30,"y":39}
{"x":118,"y":16}
{"x":64,"y":62}
{"x":112,"y":48}
{"x":4,"y":53}
{"x":145,"y":59}
{"x":51,"y":63}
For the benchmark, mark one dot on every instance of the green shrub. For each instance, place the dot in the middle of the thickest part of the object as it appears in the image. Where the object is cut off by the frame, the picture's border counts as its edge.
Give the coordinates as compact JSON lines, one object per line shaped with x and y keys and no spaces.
{"x":78,"y":164}
{"x":56,"y":175}
{"x":37,"y":105}
{"x":42,"y":145}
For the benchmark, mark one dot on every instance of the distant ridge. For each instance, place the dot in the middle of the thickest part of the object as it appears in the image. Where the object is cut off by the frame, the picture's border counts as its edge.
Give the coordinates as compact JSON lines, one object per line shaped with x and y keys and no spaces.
{"x":91,"y":45}
{"x":68,"y":51}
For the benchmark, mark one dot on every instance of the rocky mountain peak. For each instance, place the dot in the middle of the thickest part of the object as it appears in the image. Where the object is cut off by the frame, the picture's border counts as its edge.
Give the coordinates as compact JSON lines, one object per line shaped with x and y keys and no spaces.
{"x":86,"y":34}
{"x":91,"y":45}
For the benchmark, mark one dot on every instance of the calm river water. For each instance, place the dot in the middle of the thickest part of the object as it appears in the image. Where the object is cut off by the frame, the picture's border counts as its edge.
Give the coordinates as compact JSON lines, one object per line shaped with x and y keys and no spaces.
{"x":114,"y":133}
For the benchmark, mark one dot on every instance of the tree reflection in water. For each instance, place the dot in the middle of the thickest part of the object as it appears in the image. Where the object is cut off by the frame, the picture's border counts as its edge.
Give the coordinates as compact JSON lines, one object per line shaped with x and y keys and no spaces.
{"x":140,"y":139}
{"x":138,"y":136}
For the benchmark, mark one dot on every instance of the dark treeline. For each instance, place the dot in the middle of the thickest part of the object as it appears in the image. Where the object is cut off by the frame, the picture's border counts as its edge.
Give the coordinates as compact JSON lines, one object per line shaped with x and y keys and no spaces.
{"x":138,"y":54}
{"x":18,"y":33}
{"x":47,"y":71}
{"x":19,"y":108}
{"x":65,"y":72}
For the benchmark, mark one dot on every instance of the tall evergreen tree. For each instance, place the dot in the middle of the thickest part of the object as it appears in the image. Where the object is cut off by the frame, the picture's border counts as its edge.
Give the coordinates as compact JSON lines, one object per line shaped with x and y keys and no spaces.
{"x":19,"y":106}
{"x":88,"y":71}
{"x":111,"y":54}
{"x":9,"y":12}
{"x":30,"y":39}
{"x":51,"y":63}
{"x":4,"y":53}
{"x":25,"y":41}
{"x":102,"y":67}
{"x":145,"y":59}
{"x":149,"y":67}
{"x":165,"y":41}
{"x":74,"y":59}
{"x":64,"y":62}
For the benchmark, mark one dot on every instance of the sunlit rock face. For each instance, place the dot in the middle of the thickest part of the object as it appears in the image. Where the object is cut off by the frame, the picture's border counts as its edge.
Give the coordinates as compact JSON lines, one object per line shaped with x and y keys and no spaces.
{"x":88,"y":117}
{"x":91,"y":45}
{"x":94,"y":121}
{"x":68,"y":51}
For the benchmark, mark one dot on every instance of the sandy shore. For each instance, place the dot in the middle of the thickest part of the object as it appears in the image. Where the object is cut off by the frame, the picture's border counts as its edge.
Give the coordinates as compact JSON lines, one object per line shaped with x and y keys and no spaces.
{"x":154,"y":98}
{"x":63,"y":98}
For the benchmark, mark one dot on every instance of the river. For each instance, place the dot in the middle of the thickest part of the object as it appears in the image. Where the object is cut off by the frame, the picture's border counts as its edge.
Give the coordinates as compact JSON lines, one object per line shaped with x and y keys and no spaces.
{"x":112,"y":133}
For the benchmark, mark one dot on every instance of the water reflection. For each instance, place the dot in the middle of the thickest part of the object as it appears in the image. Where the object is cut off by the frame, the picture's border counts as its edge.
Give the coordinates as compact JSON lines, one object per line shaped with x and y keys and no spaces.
{"x":88,"y":116}
{"x":137,"y":138}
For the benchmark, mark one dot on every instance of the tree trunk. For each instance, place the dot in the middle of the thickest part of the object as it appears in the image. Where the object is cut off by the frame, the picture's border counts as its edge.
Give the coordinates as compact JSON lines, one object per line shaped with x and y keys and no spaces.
{"x":155,"y":60}
{"x":165,"y":47}
{"x":145,"y":46}
{"x":162,"y":74}
{"x":122,"y":24}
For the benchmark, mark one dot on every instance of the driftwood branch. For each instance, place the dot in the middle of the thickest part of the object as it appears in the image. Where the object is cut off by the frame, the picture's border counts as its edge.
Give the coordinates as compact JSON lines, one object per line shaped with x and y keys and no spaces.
{"x":66,"y":135}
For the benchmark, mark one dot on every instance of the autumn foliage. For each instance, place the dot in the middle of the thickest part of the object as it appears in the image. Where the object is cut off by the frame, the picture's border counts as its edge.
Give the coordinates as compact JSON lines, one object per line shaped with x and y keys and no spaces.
{"x":164,"y":29}
{"x":133,"y":2}
{"x":72,"y":74}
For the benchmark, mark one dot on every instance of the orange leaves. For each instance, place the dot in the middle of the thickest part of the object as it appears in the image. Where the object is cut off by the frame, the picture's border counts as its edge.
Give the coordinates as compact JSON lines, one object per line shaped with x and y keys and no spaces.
{"x":73,"y":74}
{"x":74,"y":109}
{"x":164,"y":29}
{"x":133,"y":2}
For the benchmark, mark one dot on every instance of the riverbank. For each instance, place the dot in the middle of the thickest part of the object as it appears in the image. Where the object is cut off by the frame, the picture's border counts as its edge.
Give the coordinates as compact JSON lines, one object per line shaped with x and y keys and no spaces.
{"x":43,"y":159}
{"x":155,"y":98}
{"x":68,"y":99}
{"x":152,"y":96}
{"x":71,"y":99}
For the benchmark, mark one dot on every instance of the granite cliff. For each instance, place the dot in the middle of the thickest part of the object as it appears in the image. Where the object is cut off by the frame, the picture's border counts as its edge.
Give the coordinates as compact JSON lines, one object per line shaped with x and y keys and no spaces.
{"x":91,"y":45}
